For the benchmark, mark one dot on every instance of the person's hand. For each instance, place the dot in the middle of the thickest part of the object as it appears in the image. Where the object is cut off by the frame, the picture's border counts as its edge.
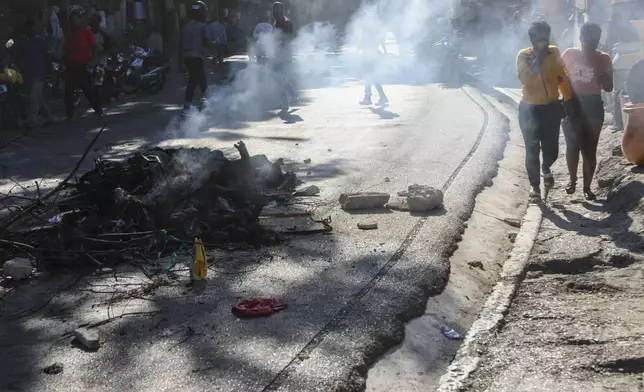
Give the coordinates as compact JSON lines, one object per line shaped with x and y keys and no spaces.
{"x":542,"y":54}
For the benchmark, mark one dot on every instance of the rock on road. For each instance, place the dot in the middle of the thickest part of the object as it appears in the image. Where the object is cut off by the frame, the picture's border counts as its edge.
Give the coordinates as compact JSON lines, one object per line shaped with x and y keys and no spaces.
{"x":348,"y":292}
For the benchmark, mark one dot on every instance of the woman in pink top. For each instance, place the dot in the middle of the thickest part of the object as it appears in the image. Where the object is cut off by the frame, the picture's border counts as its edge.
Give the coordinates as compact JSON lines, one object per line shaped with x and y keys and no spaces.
{"x":589,"y":71}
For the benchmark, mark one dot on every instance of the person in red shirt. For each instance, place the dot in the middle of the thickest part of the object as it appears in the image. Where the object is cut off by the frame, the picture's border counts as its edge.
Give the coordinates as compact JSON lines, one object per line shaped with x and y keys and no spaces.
{"x":80,"y":42}
{"x":589,"y":71}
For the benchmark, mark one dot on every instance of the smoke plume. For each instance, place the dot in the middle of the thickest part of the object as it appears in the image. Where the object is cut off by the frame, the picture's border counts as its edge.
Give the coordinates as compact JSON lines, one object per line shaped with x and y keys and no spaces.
{"x":386,"y":40}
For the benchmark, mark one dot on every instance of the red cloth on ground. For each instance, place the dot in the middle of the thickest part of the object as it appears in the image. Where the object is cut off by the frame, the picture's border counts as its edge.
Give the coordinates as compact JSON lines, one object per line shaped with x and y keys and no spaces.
{"x":260,"y":307}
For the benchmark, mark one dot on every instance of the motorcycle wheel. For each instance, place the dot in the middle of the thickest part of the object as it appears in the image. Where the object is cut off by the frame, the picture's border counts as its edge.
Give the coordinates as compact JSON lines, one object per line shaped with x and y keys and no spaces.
{"x":155,"y":88}
{"x":129,"y":84}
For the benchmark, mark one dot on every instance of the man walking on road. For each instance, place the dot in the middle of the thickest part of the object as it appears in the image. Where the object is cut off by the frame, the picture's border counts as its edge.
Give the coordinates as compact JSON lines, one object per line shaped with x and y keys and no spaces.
{"x":372,"y":53}
{"x":284,"y":31}
{"x":103,"y":48}
{"x":80,"y":42}
{"x":219,"y":37}
{"x":590,"y":71}
{"x":33,"y":54}
{"x":195,"y":38}
{"x":262,"y":34}
{"x":264,"y":27}
{"x":372,"y":41}
{"x":542,"y":75}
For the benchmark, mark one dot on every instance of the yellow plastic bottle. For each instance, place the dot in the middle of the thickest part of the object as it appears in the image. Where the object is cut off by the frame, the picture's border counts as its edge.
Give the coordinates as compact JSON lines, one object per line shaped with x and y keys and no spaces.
{"x":200,"y":263}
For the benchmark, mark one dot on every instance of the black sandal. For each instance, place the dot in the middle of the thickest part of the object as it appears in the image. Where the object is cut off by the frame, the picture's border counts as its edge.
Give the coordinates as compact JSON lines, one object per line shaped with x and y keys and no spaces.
{"x":589,"y":195}
{"x":571,"y":187}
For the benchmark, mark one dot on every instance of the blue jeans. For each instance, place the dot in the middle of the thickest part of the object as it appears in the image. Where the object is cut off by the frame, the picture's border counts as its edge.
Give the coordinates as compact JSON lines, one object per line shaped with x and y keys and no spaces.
{"x":36,"y":103}
{"x":540,"y":126}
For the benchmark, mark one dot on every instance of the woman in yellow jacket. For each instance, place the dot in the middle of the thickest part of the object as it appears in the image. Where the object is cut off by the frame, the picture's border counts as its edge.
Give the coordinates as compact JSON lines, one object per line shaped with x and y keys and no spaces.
{"x":542,"y":75}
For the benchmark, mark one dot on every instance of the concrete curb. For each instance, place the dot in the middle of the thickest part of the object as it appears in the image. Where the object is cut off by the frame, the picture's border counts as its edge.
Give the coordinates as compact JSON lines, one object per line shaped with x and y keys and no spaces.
{"x":496,"y":307}
{"x":468,"y":356}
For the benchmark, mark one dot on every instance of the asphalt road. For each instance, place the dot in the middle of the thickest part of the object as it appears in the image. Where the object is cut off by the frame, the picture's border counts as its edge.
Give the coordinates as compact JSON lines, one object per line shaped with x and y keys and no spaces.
{"x":348,"y":293}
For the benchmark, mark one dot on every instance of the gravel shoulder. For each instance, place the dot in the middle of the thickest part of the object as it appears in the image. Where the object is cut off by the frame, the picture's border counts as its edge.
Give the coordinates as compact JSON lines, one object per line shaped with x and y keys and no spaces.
{"x":576,"y":321}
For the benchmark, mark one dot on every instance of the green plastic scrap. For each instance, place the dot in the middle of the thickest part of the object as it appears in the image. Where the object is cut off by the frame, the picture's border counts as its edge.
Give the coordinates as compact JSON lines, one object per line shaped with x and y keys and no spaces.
{"x":174,"y":262}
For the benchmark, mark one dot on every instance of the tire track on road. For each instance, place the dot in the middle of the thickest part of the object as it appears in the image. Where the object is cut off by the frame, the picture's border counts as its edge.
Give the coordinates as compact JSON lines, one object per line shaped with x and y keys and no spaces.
{"x":305,"y":353}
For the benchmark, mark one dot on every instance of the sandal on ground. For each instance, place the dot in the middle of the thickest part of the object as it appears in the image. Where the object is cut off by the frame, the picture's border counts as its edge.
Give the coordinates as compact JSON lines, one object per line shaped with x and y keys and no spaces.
{"x":548,"y":180}
{"x":535,"y":195}
{"x":589,"y":195}
{"x":571,"y":187}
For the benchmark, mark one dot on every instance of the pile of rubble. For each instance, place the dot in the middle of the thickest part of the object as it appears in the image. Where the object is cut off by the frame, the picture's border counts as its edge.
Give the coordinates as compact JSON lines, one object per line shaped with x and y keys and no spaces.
{"x":417,"y":198}
{"x":138,"y":206}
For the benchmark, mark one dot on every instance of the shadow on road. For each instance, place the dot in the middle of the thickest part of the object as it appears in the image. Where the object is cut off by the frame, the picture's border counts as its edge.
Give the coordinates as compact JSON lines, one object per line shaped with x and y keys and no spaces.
{"x":290,"y":118}
{"x":196,"y":332}
{"x":384,"y":113}
{"x":435,"y":212}
{"x":616,"y":224}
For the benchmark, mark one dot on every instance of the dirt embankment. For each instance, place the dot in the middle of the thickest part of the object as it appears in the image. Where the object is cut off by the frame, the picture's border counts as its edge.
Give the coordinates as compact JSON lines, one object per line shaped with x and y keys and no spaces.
{"x":577,"y":321}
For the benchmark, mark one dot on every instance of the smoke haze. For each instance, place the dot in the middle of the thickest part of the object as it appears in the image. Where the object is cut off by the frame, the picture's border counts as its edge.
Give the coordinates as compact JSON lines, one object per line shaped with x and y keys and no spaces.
{"x":384,"y":40}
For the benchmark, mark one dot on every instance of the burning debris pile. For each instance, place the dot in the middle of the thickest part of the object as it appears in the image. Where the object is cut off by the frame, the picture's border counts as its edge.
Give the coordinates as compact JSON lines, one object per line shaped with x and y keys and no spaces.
{"x":132,"y":207}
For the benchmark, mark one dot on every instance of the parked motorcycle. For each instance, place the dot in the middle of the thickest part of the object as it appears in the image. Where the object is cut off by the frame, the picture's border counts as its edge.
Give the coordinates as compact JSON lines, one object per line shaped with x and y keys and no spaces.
{"x":444,"y":53}
{"x":112,"y":83}
{"x":142,"y":71}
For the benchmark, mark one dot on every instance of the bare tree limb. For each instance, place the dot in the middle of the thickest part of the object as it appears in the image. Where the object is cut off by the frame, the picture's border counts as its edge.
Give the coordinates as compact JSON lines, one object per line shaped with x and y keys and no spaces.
{"x":54,"y":191}
{"x":10,"y":141}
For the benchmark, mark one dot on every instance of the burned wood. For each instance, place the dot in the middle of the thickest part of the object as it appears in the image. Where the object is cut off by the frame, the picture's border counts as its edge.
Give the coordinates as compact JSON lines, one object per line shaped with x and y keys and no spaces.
{"x":16,"y":243}
{"x":143,"y":205}
{"x":309,"y":231}
{"x":144,"y":233}
{"x":98,"y":263}
{"x":326,"y":222}
{"x":109,"y":242}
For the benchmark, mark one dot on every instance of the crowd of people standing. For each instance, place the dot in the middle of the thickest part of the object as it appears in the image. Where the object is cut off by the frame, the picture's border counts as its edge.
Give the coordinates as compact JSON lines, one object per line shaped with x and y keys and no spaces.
{"x":199,"y":37}
{"x":81,"y":48}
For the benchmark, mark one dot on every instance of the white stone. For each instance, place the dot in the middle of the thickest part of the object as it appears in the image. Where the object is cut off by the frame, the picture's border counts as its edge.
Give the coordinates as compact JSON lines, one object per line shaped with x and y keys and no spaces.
{"x":423,"y":198}
{"x":398,"y":204}
{"x":363,"y":201}
{"x":368,"y":225}
{"x":88,"y":338}
{"x":17,"y":269}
